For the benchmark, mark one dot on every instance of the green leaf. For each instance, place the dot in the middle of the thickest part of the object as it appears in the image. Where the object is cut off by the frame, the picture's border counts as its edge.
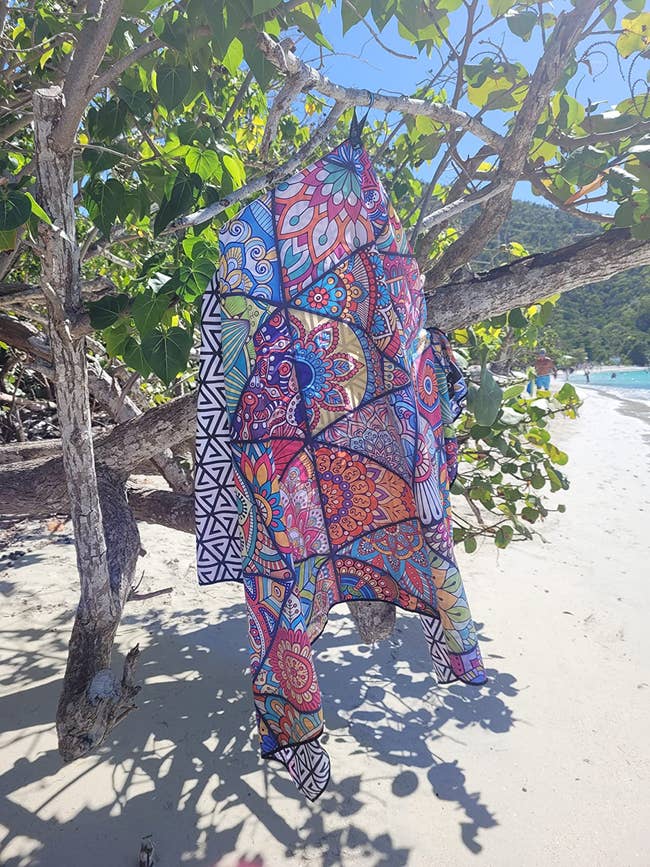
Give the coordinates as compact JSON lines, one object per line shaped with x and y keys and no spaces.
{"x":641,"y":231}
{"x":205,"y":163}
{"x":7,"y":240}
{"x":529,"y":514}
{"x":104,"y":202}
{"x":500,"y":7}
{"x":383,"y":11}
{"x":584,"y":165}
{"x":107,"y":123}
{"x":99,"y":160}
{"x":133,"y":356}
{"x":15,"y":209}
{"x":635,"y":5}
{"x":257,"y":62}
{"x":235,"y":170}
{"x":167,"y":352}
{"x":503,"y":536}
{"x":195,"y":277}
{"x":609,"y":13}
{"x":516,"y":318}
{"x":513,"y":391}
{"x":311,"y":28}
{"x":37,"y":211}
{"x":172,"y":84}
{"x":148,"y":308}
{"x":107,"y":310}
{"x":485,"y":401}
{"x":522,"y":23}
{"x":470,"y":544}
{"x":180,"y":199}
{"x":233,"y":57}
{"x":115,"y":337}
{"x":261,"y":6}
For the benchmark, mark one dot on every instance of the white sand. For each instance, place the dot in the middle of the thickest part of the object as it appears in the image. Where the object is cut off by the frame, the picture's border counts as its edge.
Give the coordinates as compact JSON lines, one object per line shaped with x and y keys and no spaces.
{"x":547,"y":765}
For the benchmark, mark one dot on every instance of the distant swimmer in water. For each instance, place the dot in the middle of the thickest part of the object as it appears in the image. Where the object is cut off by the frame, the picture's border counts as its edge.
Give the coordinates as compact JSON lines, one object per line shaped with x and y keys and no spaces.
{"x":613,"y":376}
{"x":587,"y":375}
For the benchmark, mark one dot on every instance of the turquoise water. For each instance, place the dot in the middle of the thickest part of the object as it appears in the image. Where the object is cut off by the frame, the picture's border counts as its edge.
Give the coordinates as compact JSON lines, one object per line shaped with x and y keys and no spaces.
{"x":632,"y":383}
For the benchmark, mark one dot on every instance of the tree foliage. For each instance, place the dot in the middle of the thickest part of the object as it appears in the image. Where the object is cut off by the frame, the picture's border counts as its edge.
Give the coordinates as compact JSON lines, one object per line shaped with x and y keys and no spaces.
{"x":173,"y":122}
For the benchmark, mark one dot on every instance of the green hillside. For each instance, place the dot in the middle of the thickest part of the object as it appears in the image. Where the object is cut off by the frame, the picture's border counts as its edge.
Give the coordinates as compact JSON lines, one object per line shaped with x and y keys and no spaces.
{"x":600,"y":321}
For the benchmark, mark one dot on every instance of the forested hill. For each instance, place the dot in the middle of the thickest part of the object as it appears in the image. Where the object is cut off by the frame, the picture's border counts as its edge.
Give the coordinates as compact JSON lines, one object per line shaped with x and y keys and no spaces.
{"x":600,"y":321}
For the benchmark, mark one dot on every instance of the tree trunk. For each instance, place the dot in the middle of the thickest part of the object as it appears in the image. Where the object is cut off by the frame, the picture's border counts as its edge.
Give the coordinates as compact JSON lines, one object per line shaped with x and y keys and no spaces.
{"x":91,"y":701}
{"x":374,"y":620}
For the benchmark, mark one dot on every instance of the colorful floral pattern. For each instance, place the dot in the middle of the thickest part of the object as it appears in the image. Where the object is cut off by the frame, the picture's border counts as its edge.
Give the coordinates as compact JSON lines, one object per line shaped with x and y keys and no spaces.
{"x":340,"y":405}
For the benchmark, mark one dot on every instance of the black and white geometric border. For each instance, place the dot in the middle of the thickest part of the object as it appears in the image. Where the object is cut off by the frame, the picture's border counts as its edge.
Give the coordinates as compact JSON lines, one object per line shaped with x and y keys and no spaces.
{"x":218,"y":539}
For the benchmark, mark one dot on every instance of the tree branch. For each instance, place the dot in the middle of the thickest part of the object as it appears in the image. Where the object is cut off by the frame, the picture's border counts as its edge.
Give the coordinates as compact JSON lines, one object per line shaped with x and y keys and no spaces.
{"x":529,"y":280}
{"x":108,"y":76}
{"x":39,"y":488}
{"x":287,"y":62}
{"x":566,"y":35}
{"x":103,"y":16}
{"x":263,"y":182}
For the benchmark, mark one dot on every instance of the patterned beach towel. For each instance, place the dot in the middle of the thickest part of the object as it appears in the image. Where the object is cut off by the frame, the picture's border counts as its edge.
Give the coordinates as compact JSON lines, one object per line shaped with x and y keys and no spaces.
{"x":324,"y":446}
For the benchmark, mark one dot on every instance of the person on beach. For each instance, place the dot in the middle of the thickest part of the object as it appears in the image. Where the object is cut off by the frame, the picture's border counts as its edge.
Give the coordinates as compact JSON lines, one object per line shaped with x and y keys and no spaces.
{"x":544,"y":366}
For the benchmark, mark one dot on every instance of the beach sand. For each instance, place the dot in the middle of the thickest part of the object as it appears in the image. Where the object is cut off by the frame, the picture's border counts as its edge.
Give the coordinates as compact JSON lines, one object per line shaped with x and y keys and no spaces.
{"x":549,"y":764}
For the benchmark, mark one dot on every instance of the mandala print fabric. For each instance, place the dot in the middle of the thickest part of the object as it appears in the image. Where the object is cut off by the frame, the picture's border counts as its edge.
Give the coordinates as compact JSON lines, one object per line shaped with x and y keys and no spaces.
{"x":339,"y":454}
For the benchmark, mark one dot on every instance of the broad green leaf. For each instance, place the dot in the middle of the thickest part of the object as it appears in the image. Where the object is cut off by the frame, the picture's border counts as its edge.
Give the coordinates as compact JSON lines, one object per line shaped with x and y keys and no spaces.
{"x":260,"y":6}
{"x":97,"y":159}
{"x":167,"y":352}
{"x":108,"y":122}
{"x":235,"y":169}
{"x":513,"y":391}
{"x":609,"y":16}
{"x":257,"y":63}
{"x":529,"y":514}
{"x":234,"y":56}
{"x":470,"y":544}
{"x":636,"y":34}
{"x":383,"y":11}
{"x":147,"y":310}
{"x":516,"y":318}
{"x":104,"y":202}
{"x":180,"y":199}
{"x":7,"y":240}
{"x":205,"y":163}
{"x":349,"y":16}
{"x":584,"y":165}
{"x":522,"y":24}
{"x":15,"y":209}
{"x":107,"y":310}
{"x":37,"y":211}
{"x":485,"y":401}
{"x":310,"y":27}
{"x":500,"y":7}
{"x":195,"y":277}
{"x":503,"y":536}
{"x":132,"y":355}
{"x":115,"y":337}
{"x":172,"y":84}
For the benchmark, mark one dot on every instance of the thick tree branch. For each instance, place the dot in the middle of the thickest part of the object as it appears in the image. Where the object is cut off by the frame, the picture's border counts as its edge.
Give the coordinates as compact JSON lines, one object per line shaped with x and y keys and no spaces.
{"x":102,"y":18}
{"x":22,"y":294}
{"x":108,"y":76}
{"x":527,"y":281}
{"x":287,"y":62}
{"x":39,"y":488}
{"x":567,"y":33}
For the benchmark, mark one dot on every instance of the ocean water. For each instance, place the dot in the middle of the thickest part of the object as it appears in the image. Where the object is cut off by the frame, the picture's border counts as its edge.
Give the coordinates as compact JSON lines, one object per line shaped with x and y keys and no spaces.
{"x":631,"y":383}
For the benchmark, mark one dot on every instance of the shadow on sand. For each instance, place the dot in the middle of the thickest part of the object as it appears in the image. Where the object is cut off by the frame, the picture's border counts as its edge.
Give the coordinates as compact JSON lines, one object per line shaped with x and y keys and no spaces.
{"x":185,"y":766}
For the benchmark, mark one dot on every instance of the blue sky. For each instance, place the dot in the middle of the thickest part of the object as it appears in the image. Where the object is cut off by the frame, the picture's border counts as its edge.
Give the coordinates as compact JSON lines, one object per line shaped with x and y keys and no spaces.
{"x":361,"y":62}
